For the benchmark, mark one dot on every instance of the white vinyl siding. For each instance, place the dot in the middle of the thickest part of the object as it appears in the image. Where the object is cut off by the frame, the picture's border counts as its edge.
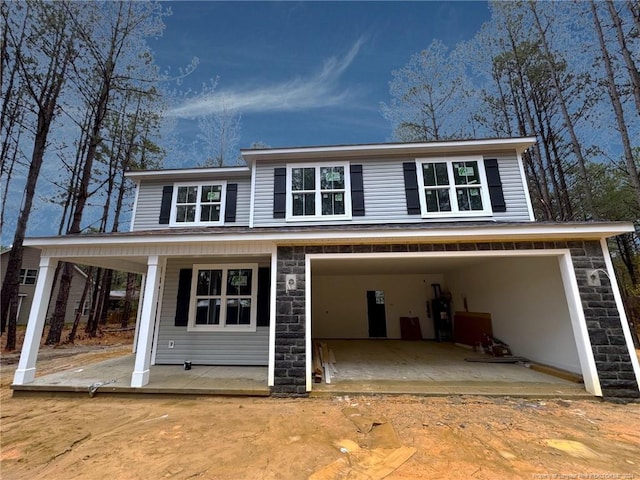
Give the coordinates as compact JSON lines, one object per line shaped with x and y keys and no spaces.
{"x":150,"y":197}
{"x":384,"y":193}
{"x":204,"y":348}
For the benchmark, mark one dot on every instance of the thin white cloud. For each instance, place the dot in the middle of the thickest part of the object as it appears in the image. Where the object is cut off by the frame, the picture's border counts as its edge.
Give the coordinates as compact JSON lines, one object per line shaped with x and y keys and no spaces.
{"x":320,"y":90}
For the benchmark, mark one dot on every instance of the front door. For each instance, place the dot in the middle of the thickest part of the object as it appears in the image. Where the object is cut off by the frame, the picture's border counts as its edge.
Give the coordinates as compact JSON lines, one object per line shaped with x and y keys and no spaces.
{"x":376,"y":313}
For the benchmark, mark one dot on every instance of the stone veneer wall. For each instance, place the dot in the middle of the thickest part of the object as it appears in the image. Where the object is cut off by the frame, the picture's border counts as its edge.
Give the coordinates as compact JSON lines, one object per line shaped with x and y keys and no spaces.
{"x":612,"y":357}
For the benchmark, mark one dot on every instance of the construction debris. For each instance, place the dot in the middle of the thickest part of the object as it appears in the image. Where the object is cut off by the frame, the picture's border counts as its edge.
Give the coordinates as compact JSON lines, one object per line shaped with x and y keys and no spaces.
{"x":323,"y":362}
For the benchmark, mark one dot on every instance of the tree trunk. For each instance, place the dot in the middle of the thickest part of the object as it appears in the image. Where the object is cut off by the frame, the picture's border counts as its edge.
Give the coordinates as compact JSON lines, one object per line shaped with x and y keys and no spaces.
{"x":575,"y":143}
{"x":630,"y":164}
{"x":128,"y":299}
{"x":83,"y":299}
{"x":56,"y":327}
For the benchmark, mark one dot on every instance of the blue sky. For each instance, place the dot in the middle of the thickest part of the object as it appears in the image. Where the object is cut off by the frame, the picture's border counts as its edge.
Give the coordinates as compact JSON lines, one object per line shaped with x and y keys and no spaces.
{"x":303,"y":73}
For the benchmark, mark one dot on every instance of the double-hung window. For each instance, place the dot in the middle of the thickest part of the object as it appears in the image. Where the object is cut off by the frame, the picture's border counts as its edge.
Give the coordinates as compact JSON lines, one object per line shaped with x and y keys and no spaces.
{"x":28,"y":276}
{"x":318,"y":191}
{"x":223,"y":297}
{"x":198,"y":203}
{"x":453,"y":187}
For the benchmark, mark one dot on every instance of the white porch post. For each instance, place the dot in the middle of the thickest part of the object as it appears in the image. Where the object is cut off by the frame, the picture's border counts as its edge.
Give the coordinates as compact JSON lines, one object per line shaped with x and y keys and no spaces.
{"x":26,"y":371}
{"x":155,"y":271}
{"x":138,"y":314}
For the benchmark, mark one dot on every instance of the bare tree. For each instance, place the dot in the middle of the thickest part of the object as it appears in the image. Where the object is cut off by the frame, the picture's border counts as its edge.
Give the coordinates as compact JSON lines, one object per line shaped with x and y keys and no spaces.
{"x":630,"y":164}
{"x":52,"y":34}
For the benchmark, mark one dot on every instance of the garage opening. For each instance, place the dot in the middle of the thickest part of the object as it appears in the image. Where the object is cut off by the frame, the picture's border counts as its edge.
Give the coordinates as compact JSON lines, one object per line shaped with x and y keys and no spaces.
{"x":383,"y":320}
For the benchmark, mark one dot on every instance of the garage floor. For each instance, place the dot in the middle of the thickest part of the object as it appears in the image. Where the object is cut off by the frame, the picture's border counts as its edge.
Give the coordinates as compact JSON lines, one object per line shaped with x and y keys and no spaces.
{"x":397,"y":366}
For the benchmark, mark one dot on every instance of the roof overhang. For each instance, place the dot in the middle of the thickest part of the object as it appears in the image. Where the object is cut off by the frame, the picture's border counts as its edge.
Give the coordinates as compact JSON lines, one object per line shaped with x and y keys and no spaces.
{"x":404,"y":233}
{"x":129,"y":251}
{"x":395,"y":149}
{"x":188,"y":173}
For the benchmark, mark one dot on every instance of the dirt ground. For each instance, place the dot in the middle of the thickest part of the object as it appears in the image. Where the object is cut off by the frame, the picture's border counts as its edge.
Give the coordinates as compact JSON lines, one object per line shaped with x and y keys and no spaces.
{"x":274,"y":438}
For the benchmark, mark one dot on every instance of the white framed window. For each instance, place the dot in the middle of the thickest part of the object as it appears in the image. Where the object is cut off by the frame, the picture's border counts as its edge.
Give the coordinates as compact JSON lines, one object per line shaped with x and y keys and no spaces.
{"x":224,"y":297}
{"x":453,"y":186}
{"x":28,"y":276}
{"x":318,"y":191}
{"x":198,"y":203}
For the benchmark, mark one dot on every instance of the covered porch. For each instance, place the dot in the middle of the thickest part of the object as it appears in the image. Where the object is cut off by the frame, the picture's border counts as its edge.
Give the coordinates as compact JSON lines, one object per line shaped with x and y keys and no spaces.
{"x":113,"y":376}
{"x":152,"y":256}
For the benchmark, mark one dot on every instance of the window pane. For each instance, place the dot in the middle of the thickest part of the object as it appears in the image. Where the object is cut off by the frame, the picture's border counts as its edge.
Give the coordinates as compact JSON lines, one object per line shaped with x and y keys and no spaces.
{"x":309,"y":178}
{"x":331,"y":178}
{"x":429,"y":174}
{"x":310,"y":204}
{"x":210,"y":213}
{"x":432,"y":200}
{"x":304,"y":204}
{"x":296,"y":179}
{"x":209,"y":282}
{"x":211,"y":193}
{"x":239,"y":282}
{"x":463,"y":200}
{"x":187,"y":194}
{"x":469,"y":199}
{"x":333,"y":203}
{"x":238,"y":311}
{"x":298,"y":204}
{"x":444,"y":201}
{"x":442,"y":177}
{"x":466,"y":173}
{"x":208,"y":312}
{"x":185,"y":213}
{"x":303,"y":179}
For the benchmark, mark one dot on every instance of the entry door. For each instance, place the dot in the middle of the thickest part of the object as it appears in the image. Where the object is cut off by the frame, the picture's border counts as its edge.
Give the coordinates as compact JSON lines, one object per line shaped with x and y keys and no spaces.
{"x":376,"y":313}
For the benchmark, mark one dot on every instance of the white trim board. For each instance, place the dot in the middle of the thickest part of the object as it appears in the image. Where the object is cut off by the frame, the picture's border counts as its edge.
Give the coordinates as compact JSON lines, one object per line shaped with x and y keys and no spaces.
{"x":497,"y":231}
{"x":578,"y":322}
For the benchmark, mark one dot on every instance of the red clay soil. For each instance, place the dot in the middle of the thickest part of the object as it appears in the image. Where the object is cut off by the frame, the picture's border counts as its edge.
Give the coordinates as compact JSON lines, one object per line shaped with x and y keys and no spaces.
{"x":103,"y":437}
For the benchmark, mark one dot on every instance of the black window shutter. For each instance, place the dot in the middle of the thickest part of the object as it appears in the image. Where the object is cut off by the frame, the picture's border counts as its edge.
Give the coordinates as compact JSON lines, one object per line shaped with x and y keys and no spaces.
{"x":184,"y":297}
{"x":411,"y":188}
{"x":357,"y":191}
{"x":264,"y":296}
{"x":495,"y":185}
{"x":165,"y":206}
{"x":279,"y":192}
{"x":231,"y":202}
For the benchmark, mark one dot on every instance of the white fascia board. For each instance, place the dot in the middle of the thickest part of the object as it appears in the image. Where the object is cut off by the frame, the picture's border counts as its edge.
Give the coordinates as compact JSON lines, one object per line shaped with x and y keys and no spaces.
{"x":442,"y":234}
{"x":519,"y":144}
{"x":187,"y":173}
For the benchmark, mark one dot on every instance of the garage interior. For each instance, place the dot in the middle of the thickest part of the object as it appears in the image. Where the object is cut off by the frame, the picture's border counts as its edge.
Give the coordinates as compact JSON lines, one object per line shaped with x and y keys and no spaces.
{"x":524,"y":296}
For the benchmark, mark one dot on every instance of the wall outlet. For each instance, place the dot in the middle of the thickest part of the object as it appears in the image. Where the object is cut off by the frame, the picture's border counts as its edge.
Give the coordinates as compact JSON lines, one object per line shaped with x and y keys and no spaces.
{"x":171,"y":344}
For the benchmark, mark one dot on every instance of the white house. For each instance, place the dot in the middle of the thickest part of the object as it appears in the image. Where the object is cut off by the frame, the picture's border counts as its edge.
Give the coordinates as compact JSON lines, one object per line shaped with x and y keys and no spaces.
{"x":246,"y":265}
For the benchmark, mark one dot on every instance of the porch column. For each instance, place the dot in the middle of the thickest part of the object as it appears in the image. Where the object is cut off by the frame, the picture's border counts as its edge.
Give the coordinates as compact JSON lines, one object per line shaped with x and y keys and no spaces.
{"x":155,"y":272}
{"x":26,"y":371}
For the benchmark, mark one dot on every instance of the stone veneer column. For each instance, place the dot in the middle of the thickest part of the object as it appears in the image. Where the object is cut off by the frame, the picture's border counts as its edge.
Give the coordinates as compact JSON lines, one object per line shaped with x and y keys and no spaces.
{"x":290,"y":356}
{"x":612,"y":357}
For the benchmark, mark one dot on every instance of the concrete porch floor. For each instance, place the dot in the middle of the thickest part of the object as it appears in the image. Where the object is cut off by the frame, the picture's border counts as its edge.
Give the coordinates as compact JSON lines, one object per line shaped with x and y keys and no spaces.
{"x":437,"y":369}
{"x":164,"y":379}
{"x":364,"y":367}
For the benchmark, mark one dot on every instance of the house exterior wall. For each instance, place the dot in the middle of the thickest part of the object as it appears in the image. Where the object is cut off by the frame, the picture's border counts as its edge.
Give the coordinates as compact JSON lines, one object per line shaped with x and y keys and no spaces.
{"x":147,"y":212}
{"x":612,"y":357}
{"x":31,"y":260}
{"x":206,"y":348}
{"x":384,"y":192}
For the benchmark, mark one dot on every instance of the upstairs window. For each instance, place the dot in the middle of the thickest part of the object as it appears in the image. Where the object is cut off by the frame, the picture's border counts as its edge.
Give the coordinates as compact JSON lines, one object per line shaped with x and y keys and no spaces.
{"x":318,"y":191}
{"x":224,"y":297}
{"x":198,"y":204}
{"x":453,"y":187}
{"x":28,"y":276}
